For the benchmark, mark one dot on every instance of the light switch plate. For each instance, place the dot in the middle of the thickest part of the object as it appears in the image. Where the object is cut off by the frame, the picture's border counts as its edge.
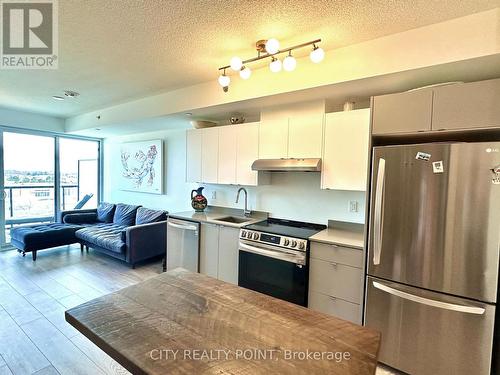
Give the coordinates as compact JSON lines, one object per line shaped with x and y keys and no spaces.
{"x":353,"y":206}
{"x":214,"y":194}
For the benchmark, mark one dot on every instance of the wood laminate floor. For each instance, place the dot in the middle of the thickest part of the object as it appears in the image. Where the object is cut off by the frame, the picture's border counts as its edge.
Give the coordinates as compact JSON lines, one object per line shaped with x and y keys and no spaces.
{"x":34,"y":336}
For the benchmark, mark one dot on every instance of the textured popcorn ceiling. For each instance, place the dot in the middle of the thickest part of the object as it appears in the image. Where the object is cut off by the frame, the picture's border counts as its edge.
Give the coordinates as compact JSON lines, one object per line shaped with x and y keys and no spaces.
{"x":113,"y":51}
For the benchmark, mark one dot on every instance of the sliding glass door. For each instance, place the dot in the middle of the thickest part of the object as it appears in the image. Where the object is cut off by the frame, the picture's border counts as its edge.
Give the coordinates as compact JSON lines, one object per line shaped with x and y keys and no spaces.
{"x":43,"y":174}
{"x":29,"y":194}
{"x":79,"y":171}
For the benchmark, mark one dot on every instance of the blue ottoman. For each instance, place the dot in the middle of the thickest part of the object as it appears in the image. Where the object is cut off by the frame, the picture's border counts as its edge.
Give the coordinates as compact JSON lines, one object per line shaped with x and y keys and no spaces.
{"x":44,"y":236}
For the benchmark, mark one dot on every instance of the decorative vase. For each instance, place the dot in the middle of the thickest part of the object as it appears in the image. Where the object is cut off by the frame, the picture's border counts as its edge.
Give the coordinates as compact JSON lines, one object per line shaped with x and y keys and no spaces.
{"x":198,"y":201}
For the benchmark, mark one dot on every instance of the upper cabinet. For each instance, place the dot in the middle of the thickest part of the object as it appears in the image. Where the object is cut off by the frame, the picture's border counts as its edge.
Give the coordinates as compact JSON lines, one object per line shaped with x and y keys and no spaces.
{"x":273,"y":135}
{"x":305,"y":133}
{"x":224,"y":155}
{"x":346,"y":148}
{"x":193,"y":155}
{"x":247,"y":151}
{"x":467,"y":105}
{"x":405,"y":112}
{"x":459,"y":106}
{"x":292,"y":131}
{"x":228,"y":152}
{"x":209,"y":155}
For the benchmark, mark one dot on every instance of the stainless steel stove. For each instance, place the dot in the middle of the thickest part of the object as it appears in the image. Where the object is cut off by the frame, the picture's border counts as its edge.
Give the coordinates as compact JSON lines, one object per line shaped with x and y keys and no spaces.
{"x":274,"y":258}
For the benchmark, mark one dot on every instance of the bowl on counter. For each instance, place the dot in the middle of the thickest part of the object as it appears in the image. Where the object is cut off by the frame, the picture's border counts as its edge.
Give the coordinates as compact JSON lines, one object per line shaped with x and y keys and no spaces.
{"x":201,"y":124}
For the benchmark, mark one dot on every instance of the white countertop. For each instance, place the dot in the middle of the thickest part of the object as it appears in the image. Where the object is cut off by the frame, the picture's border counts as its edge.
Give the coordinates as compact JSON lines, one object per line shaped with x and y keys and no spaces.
{"x":343,"y":234}
{"x":211,"y":214}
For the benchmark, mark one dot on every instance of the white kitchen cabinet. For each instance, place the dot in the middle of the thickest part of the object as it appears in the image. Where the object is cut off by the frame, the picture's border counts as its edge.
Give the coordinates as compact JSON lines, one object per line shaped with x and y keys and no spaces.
{"x":228,"y":254}
{"x":346,"y":150}
{"x":228,"y":153}
{"x":193,"y":155}
{"x":247,"y":140}
{"x":305,"y":134}
{"x":273,"y":136}
{"x":293,"y":131}
{"x":209,"y":155}
{"x":209,"y":249}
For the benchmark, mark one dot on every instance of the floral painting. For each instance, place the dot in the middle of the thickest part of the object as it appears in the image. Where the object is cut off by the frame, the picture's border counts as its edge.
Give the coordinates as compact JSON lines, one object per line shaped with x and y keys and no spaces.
{"x":142,"y":166}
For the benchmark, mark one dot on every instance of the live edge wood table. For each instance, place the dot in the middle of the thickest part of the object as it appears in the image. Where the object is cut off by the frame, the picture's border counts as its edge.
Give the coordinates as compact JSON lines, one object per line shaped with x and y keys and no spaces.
{"x":185,"y":323}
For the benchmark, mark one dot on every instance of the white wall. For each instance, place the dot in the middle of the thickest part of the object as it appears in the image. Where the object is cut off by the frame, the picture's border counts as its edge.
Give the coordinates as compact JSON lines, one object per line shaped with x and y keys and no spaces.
{"x":295,"y":196}
{"x":27,"y":120}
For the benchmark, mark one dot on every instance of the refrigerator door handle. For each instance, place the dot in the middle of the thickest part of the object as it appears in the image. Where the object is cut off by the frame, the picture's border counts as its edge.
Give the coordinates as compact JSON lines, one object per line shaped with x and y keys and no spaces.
{"x":428,"y":301}
{"x":378,"y":215}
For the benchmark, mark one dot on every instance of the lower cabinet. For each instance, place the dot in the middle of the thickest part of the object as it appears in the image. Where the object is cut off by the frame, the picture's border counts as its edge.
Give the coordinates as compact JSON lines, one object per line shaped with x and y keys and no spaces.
{"x":209,"y":249}
{"x":219,"y":252}
{"x":228,"y":254}
{"x":335,"y":306}
{"x":336,"y":281}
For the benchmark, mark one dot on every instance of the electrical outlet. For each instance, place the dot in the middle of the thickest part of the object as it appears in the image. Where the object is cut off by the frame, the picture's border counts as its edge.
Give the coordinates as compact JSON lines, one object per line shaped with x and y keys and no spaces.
{"x":214,"y":194}
{"x":353,"y":206}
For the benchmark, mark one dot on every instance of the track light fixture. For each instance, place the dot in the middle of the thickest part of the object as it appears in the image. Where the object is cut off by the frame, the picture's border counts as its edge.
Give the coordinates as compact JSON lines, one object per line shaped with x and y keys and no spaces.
{"x":269,"y":48}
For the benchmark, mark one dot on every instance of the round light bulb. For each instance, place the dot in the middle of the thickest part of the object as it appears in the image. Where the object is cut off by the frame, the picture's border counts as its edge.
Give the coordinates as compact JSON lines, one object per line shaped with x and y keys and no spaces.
{"x":317,"y":55}
{"x":236,"y":63}
{"x":245,"y":73}
{"x":289,"y":63}
{"x":272,"y":46}
{"x":224,"y":80}
{"x":275,"y":66}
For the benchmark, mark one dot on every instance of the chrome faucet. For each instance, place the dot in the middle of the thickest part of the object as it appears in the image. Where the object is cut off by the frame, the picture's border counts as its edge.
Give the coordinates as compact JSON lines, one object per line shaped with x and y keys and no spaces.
{"x":246,"y":211}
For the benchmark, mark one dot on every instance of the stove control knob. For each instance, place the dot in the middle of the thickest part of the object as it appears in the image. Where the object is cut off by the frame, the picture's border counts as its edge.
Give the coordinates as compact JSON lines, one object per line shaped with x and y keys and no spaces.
{"x":302,"y":246}
{"x":286,"y":242}
{"x":243,"y":234}
{"x":256,"y":236}
{"x":294,"y":243}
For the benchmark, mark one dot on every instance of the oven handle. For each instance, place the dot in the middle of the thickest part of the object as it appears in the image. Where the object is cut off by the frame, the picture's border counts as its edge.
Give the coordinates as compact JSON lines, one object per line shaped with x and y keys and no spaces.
{"x":276,"y":254}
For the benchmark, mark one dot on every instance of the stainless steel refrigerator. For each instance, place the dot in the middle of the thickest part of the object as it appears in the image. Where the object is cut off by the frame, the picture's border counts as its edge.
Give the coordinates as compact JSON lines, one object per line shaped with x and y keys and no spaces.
{"x":433,"y":254}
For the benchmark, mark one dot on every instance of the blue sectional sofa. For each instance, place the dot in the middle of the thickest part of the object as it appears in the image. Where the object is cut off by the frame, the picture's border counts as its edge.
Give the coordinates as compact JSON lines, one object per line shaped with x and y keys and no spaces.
{"x":129,"y":233}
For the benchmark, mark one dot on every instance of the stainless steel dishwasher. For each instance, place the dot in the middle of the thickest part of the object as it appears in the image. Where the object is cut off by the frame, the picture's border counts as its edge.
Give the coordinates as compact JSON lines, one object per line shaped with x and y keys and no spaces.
{"x":183,"y":244}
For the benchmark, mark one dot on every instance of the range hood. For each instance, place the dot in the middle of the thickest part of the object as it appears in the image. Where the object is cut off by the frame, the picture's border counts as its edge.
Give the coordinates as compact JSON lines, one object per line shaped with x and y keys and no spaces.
{"x":287,"y":165}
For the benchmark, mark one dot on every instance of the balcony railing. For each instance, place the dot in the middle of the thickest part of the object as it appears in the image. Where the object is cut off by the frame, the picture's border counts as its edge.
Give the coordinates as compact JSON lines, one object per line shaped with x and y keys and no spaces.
{"x":37,"y":207}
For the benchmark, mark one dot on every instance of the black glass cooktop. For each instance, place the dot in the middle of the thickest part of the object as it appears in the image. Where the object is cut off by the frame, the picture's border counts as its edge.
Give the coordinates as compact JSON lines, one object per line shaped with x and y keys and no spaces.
{"x":287,"y":228}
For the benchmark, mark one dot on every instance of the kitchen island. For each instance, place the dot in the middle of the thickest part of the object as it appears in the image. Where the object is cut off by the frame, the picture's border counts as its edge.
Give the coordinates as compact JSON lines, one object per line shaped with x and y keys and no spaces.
{"x":187,"y":323}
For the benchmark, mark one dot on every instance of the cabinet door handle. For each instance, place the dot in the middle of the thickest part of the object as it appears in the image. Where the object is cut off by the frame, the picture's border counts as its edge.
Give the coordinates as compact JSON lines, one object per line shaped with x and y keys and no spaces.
{"x":333,"y":298}
{"x":333,"y":264}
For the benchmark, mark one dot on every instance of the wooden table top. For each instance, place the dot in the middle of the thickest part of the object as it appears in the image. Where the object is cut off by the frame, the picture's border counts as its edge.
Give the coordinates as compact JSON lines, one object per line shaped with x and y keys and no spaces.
{"x":187,"y":323}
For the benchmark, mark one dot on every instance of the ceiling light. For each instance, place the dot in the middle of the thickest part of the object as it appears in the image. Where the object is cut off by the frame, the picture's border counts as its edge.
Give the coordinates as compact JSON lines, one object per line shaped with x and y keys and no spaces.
{"x":269,"y":48}
{"x":289,"y":63}
{"x":272,"y":46}
{"x":224,"y":80}
{"x":236,"y":63}
{"x":317,"y":54}
{"x":71,"y":94}
{"x":57,"y":97}
{"x":275,"y":65}
{"x":245,"y":72}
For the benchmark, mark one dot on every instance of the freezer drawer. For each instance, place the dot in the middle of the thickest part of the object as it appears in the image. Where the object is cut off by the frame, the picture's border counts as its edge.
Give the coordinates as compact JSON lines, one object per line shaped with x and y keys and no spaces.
{"x":435,"y":217}
{"x":425,"y":332}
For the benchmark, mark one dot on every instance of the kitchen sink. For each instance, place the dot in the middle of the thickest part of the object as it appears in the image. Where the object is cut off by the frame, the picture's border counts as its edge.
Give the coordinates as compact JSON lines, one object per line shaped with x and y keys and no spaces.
{"x":233,"y":219}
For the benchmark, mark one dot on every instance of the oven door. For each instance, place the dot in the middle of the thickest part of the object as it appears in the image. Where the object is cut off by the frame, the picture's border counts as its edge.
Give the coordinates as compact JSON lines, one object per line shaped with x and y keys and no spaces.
{"x":274,"y":271}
